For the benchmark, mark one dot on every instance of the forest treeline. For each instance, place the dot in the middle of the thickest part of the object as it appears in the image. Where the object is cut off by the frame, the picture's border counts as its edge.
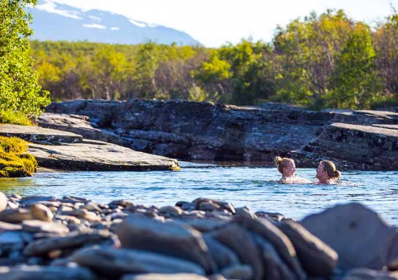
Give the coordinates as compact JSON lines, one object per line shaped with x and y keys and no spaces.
{"x":321,"y":61}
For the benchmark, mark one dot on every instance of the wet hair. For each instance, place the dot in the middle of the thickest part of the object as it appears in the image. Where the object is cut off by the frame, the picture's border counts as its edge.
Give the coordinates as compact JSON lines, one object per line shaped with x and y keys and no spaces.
{"x":282,"y":163}
{"x":331,"y":170}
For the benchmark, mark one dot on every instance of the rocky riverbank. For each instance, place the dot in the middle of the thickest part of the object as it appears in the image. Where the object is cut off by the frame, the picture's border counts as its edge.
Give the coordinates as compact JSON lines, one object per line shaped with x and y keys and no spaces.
{"x":68,"y":151}
{"x":366,"y":140}
{"x":43,"y":237}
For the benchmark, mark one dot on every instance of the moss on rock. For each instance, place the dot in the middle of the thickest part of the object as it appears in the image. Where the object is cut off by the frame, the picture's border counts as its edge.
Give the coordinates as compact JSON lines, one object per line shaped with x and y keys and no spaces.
{"x":14,"y":161}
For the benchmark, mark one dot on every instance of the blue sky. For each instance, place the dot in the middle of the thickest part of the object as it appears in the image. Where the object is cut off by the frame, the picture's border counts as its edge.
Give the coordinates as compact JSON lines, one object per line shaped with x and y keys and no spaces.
{"x":215,"y":22}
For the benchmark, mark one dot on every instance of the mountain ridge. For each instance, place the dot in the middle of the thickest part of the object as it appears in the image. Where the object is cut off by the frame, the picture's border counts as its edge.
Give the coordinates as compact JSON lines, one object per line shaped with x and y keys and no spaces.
{"x":60,"y":22}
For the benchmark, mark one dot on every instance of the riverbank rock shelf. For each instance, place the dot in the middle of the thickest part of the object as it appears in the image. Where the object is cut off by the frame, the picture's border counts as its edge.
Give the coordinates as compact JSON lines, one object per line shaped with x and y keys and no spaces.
{"x":204,"y":131}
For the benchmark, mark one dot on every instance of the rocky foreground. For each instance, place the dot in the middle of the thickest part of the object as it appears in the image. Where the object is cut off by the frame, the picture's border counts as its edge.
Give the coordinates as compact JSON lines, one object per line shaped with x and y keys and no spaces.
{"x":366,"y":140}
{"x":76,"y":238}
{"x":56,"y":149}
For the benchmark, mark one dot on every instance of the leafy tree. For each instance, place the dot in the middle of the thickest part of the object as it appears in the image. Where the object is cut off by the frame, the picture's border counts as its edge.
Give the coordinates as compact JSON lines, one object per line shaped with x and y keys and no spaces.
{"x":213,"y":75}
{"x":19,"y":89}
{"x":354,"y":80}
{"x":174,"y":78}
{"x":251,"y":69}
{"x":111,"y":70}
{"x":147,"y":60}
{"x":238,"y":74}
{"x":306,"y":51}
{"x":385,"y":40}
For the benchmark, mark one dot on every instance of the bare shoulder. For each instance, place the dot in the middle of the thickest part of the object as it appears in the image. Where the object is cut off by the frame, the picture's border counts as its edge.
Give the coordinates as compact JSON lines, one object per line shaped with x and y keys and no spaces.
{"x":284,"y":181}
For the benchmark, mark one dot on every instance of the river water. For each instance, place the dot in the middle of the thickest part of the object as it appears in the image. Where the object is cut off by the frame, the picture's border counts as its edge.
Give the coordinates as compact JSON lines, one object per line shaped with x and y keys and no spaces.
{"x":243,"y":186}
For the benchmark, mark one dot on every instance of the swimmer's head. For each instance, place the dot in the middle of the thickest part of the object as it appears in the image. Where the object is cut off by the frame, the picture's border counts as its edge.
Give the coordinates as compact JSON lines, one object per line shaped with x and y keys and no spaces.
{"x":285,"y":166}
{"x":327,"y":171}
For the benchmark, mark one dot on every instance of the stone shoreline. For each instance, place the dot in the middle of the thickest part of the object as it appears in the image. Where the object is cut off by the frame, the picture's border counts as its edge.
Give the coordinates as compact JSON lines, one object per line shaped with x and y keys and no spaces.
{"x":43,"y":237}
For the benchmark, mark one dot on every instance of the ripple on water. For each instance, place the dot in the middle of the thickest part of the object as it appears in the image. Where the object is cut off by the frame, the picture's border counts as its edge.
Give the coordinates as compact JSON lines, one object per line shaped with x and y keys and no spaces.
{"x":243,"y":186}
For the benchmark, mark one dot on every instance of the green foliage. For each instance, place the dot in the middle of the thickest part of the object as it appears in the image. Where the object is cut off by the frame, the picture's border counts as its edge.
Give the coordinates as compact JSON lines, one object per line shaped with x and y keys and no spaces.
{"x":215,"y":69}
{"x":354,"y":81}
{"x":104,"y":71}
{"x":326,"y":60}
{"x":11,"y":117}
{"x":19,"y":89}
{"x":14,"y":162}
{"x":238,"y":74}
{"x":385,"y":39}
{"x":306,"y":51}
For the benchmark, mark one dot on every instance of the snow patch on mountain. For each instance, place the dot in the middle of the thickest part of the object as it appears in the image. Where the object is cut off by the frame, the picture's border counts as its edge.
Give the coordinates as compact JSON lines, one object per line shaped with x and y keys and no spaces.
{"x":94,"y":25}
{"x":51,"y":7}
{"x":95,"y":18}
{"x":137,"y":23}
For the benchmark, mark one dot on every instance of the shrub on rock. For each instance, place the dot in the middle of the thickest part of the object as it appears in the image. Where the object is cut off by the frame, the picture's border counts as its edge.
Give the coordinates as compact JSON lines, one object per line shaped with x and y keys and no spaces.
{"x":14,"y":162}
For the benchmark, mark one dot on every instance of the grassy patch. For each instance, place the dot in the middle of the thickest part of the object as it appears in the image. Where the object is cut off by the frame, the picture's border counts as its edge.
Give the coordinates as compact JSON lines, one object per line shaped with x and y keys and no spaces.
{"x":14,"y":161}
{"x":11,"y":117}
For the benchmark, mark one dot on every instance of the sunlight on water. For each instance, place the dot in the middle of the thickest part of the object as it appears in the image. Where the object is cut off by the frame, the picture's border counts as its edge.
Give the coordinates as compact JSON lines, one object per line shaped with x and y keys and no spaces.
{"x":243,"y":186}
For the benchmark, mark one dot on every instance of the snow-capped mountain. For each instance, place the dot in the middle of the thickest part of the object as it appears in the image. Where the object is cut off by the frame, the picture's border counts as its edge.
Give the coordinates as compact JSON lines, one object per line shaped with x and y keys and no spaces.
{"x":56,"y":22}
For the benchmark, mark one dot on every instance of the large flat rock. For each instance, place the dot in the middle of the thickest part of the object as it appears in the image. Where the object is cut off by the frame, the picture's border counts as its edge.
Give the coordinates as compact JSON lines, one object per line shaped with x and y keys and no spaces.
{"x":80,"y":125}
{"x":91,"y":155}
{"x":36,"y":134}
{"x":58,"y":149}
{"x":388,"y":126}
{"x":375,"y":129}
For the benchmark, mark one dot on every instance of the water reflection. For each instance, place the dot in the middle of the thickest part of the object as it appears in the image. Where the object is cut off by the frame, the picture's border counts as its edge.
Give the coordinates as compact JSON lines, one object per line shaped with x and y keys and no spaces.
{"x":15,"y":185}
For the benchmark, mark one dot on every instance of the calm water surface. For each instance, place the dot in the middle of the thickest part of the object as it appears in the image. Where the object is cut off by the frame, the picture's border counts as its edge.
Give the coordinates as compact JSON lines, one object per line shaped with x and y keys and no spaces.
{"x":243,"y":186}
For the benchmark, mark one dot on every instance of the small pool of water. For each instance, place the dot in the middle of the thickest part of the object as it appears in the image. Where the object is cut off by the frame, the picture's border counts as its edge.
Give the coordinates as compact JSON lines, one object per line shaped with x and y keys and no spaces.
{"x":243,"y":186}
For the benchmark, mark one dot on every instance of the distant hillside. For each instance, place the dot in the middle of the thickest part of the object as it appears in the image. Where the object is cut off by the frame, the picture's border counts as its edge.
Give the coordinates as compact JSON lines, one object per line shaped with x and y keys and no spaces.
{"x":56,"y":22}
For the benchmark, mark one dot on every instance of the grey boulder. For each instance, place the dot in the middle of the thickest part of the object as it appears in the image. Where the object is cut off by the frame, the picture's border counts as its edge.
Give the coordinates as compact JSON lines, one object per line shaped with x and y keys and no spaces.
{"x":267,"y":230}
{"x":240,"y":241}
{"x":358,"y":235}
{"x":3,"y":202}
{"x":369,"y":274}
{"x":115,"y":262}
{"x":154,"y":276}
{"x":172,"y":239}
{"x":317,"y":258}
{"x":274,"y":267}
{"x":45,"y":273}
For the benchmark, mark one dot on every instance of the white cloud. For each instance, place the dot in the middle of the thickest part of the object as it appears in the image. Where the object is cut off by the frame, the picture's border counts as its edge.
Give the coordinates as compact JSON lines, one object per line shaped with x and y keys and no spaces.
{"x":51,"y":7}
{"x":137,"y":23}
{"x":94,"y":25}
{"x":115,"y":28}
{"x":95,"y":18}
{"x":215,"y":22}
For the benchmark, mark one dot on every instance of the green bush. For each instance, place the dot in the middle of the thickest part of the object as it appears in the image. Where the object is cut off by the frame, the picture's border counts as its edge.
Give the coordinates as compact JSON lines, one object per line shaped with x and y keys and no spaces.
{"x":14,"y":118}
{"x":14,"y":161}
{"x":19,"y":88}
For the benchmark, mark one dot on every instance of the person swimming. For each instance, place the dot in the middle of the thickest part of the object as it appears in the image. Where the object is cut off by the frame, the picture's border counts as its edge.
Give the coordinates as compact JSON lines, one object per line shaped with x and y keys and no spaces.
{"x":327,"y":172}
{"x":287,"y":168}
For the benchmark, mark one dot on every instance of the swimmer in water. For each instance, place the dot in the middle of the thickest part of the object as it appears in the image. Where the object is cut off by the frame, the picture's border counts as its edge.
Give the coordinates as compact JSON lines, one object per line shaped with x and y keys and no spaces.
{"x":287,"y":168}
{"x":327,"y":172}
